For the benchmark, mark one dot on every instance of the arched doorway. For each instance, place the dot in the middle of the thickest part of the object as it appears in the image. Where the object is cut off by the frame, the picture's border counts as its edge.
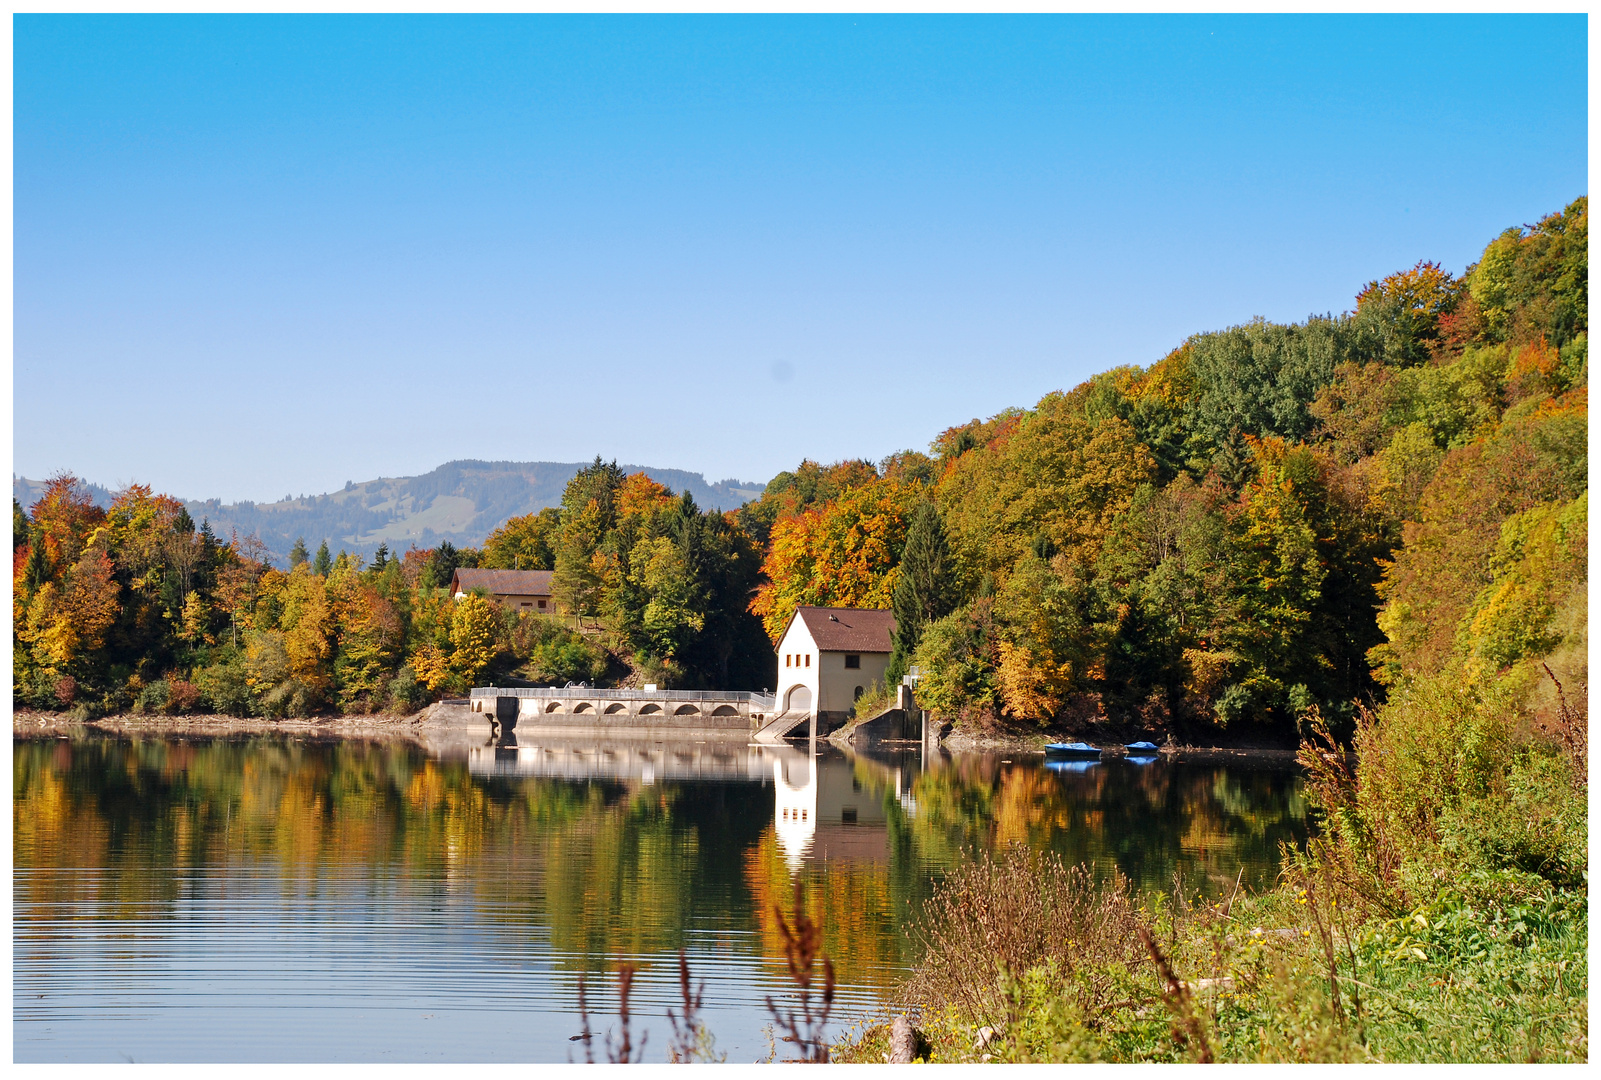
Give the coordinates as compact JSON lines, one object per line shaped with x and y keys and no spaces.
{"x":798,"y":700}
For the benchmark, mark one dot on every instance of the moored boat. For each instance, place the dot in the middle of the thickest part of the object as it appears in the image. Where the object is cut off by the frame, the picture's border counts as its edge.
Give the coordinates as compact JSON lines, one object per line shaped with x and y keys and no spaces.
{"x":1072,"y":749}
{"x":1141,"y":747}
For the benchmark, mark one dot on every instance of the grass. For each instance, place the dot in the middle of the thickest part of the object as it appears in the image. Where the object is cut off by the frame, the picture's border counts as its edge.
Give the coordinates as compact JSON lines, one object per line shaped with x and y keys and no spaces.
{"x":1455,"y":981}
{"x":1440,"y":915}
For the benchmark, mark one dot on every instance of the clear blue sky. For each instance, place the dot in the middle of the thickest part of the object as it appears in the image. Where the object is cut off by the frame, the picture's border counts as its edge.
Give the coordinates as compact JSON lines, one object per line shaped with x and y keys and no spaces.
{"x":258,"y":256}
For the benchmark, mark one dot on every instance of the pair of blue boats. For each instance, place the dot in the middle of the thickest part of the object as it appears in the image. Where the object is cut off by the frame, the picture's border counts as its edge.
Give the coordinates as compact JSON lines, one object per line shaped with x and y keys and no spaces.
{"x":1085,"y":750}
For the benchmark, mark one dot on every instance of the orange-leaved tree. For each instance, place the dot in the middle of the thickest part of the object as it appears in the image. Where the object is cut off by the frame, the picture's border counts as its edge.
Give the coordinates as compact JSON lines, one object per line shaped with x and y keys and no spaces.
{"x":840,"y":554}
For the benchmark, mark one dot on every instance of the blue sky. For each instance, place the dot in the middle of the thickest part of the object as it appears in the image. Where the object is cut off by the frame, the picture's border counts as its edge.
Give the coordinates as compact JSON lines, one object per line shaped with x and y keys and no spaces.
{"x":257,"y":256}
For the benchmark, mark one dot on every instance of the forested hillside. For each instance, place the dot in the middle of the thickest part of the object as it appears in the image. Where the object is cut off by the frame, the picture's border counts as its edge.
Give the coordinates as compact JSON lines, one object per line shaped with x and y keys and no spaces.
{"x":1269,"y":520}
{"x":460,"y":502}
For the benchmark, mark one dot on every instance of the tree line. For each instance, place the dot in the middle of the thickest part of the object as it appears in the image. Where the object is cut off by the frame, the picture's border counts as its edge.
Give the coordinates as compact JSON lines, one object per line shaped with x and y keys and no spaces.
{"x":1271,"y":518}
{"x":134,"y":607}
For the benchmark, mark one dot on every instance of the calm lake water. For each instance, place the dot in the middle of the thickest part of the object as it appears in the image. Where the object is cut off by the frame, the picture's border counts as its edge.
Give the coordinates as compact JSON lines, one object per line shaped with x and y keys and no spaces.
{"x":271,"y":899}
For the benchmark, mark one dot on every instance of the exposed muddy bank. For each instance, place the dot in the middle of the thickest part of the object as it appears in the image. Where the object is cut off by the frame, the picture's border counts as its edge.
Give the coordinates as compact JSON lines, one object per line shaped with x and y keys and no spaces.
{"x":26,"y":722}
{"x":442,"y":719}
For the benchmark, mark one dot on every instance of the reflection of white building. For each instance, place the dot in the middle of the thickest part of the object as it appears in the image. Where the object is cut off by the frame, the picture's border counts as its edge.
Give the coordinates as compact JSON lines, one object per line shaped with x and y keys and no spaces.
{"x":827,"y":657}
{"x":831,"y":808}
{"x":795,"y":810}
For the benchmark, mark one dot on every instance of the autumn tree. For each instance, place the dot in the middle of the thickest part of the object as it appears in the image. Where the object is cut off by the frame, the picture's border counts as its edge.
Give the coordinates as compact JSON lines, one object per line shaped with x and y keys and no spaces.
{"x":525,"y":543}
{"x":844,"y":554}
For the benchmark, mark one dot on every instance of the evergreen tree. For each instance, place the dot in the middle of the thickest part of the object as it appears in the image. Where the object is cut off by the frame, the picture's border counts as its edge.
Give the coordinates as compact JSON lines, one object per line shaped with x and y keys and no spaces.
{"x":443,"y":563}
{"x":298,"y":554}
{"x":380,"y":558}
{"x":924,"y":590}
{"x":597,"y":482}
{"x":324,"y":561}
{"x":19,"y":525}
{"x":211,"y":557}
{"x":37,"y":572}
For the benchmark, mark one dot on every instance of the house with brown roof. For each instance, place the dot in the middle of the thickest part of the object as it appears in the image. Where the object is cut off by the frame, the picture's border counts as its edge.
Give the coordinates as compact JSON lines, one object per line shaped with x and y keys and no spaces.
{"x":827,"y":658}
{"x":521,"y":590}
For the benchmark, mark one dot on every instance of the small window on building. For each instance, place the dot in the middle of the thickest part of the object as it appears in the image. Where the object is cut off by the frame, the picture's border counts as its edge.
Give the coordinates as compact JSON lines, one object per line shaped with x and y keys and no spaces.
{"x":541,"y":605}
{"x":526,"y":604}
{"x":808,"y":659}
{"x":847,"y":815}
{"x":786,"y":659}
{"x":858,"y":695}
{"x":852,"y":660}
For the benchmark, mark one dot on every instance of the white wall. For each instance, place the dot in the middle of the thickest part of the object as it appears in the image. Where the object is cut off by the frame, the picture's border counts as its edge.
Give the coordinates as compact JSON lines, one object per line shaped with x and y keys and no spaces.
{"x":797,"y":644}
{"x":831,"y":683}
{"x":839,"y":683}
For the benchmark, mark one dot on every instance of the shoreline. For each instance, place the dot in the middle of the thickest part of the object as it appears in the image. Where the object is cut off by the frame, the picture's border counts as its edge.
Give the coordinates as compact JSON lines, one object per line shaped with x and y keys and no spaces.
{"x":27,"y":723}
{"x":964,"y":742}
{"x":32,"y":723}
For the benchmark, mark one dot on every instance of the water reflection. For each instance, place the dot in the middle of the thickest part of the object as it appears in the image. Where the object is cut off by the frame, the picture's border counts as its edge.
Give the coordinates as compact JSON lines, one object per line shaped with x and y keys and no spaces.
{"x":185,"y":899}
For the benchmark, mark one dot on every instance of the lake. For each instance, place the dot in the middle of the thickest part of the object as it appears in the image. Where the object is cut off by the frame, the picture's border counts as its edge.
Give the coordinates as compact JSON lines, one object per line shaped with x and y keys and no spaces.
{"x":271,"y":899}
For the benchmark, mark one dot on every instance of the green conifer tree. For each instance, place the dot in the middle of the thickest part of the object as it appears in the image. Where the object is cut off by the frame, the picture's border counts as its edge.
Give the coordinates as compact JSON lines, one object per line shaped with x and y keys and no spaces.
{"x":37,"y":572}
{"x":324,"y":561}
{"x":298,"y":554}
{"x":924,"y":591}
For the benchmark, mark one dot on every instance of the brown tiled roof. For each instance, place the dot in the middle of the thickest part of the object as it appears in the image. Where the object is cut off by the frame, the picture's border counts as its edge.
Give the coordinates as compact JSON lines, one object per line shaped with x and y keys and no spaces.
{"x":502,"y":582}
{"x":843,"y":629}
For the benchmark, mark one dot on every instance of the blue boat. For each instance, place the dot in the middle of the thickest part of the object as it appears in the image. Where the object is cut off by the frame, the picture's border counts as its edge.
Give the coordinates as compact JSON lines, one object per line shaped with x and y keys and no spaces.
{"x":1072,"y":749}
{"x":1141,"y":747}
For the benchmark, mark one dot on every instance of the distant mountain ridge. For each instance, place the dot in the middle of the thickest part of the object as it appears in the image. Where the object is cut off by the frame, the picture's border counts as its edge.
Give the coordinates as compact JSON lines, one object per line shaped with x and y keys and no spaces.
{"x":461,"y":501}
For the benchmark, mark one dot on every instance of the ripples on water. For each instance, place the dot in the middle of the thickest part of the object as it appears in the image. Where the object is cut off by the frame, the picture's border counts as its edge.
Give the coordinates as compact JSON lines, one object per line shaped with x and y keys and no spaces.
{"x":265,"y":899}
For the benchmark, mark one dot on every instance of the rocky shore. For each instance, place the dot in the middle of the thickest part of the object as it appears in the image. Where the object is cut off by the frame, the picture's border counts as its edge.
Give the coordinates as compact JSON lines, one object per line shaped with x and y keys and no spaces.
{"x":27,"y":722}
{"x":443,"y":717}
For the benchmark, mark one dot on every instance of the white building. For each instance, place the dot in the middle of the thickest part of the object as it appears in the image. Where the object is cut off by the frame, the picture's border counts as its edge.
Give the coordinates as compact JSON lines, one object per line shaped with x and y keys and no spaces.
{"x":827,"y":658}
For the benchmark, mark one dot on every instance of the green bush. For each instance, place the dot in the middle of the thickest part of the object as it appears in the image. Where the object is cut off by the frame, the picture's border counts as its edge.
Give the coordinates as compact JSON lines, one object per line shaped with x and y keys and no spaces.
{"x":955,"y":658}
{"x":1532,"y":821}
{"x":223,"y":685}
{"x":554,"y":653}
{"x":153,"y":698}
{"x":405,"y":692}
{"x":291,"y":697}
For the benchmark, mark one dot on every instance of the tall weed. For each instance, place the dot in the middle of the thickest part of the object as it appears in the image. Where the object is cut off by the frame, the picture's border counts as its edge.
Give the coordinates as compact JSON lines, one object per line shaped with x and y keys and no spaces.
{"x":1002,"y":916}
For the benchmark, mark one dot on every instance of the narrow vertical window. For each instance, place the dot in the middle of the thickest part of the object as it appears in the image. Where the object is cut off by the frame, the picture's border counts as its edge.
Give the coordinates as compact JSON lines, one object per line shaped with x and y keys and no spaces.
{"x":808,"y":659}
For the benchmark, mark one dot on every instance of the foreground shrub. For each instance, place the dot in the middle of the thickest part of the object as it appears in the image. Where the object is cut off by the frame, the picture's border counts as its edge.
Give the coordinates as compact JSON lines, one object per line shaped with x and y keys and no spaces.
{"x":1446,"y":784}
{"x":1000,"y":917}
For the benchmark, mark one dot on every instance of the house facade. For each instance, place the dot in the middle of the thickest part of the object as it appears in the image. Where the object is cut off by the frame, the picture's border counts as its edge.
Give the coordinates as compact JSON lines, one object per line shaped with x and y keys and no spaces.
{"x":520,"y":590}
{"x":828,"y":657}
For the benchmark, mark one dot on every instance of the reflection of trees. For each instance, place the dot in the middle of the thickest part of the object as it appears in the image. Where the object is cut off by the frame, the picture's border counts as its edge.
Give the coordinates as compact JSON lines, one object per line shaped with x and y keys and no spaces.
{"x":604,"y":868}
{"x":1148,"y":820}
{"x":607,"y":869}
{"x":852,"y":902}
